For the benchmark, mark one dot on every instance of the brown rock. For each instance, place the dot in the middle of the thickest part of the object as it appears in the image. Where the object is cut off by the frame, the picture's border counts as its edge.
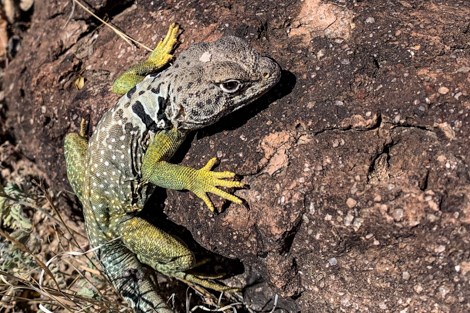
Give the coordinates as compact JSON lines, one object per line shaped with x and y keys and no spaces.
{"x":365,"y":119}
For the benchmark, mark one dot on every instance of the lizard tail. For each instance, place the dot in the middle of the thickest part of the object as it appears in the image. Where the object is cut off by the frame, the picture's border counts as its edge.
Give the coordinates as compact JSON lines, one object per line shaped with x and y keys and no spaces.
{"x":131,"y":279}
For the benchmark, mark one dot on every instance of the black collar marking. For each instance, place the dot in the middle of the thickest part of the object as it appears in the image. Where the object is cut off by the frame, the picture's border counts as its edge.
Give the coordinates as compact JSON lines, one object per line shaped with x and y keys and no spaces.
{"x":139,"y":110}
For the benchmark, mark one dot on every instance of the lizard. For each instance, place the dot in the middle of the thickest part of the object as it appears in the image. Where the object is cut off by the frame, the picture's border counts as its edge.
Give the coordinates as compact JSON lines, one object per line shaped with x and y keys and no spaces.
{"x":114,"y":172}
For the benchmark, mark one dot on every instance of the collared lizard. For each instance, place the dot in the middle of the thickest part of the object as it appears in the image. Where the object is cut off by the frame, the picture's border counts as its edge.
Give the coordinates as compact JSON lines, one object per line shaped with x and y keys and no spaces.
{"x":114,"y":173}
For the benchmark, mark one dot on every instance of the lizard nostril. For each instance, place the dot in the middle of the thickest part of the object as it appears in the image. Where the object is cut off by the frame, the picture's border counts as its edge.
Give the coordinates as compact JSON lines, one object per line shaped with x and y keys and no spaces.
{"x":266,"y":74}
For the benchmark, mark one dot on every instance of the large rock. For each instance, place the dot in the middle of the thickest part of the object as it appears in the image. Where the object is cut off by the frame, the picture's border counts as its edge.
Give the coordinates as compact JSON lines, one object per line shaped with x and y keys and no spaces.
{"x":358,"y":162}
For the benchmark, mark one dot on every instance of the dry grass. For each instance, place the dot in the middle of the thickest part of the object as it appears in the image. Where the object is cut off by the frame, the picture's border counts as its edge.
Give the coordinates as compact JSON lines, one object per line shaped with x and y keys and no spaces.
{"x":43,"y":262}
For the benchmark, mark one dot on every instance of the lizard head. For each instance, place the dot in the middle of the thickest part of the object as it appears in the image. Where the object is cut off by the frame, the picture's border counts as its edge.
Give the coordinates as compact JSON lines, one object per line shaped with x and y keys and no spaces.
{"x":210,"y":80}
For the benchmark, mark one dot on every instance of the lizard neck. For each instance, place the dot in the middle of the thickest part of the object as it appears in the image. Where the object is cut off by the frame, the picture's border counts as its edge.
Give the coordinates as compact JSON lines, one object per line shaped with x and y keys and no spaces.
{"x":149,"y":103}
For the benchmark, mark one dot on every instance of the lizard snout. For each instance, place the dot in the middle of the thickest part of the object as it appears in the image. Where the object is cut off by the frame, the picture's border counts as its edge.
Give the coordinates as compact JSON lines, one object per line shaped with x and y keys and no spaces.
{"x":270,"y":70}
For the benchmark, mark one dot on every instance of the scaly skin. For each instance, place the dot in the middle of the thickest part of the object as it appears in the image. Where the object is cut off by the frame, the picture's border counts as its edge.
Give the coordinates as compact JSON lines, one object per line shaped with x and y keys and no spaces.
{"x":114,"y":173}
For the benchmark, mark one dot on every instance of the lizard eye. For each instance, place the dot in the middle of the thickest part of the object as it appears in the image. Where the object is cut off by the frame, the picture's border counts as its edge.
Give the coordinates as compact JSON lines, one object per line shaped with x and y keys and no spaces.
{"x":230,"y":86}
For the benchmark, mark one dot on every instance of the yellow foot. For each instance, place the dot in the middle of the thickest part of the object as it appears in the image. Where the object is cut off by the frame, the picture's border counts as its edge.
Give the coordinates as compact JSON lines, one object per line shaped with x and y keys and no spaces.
{"x":209,"y":298}
{"x":158,"y":58}
{"x":207,"y":180}
{"x":192,"y":280}
{"x":161,"y":55}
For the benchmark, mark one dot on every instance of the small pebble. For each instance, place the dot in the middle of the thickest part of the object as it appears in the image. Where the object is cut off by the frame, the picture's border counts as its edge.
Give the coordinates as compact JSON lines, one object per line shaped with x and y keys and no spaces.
{"x":418,"y":288}
{"x":443,"y":90}
{"x":406,"y":275}
{"x":351,"y":203}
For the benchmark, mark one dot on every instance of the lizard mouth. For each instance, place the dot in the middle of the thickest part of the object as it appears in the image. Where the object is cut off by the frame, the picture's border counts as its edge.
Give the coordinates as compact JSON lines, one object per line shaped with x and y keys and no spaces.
{"x":270,"y":74}
{"x":183,"y":121}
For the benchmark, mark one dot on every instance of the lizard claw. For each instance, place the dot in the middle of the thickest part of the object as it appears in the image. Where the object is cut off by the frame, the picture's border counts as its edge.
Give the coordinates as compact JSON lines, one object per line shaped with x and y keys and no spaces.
{"x":84,"y":123}
{"x":207,"y":181}
{"x":162,"y":52}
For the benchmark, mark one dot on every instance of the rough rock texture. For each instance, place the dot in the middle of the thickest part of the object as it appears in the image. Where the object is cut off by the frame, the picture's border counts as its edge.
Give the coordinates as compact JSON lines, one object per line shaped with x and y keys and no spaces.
{"x":358,"y":163}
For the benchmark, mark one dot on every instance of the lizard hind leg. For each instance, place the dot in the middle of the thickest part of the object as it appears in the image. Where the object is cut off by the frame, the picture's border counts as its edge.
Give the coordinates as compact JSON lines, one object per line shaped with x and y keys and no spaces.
{"x":75,"y":150}
{"x":155,"y":247}
{"x":163,"y":252}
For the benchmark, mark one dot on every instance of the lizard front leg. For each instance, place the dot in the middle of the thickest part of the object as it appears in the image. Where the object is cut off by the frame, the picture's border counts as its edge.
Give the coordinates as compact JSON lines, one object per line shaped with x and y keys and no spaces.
{"x":173,"y":176}
{"x":158,"y":58}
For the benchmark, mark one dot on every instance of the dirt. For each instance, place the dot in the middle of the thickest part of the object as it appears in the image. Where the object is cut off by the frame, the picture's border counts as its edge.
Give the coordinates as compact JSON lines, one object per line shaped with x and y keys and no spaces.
{"x":358,"y":162}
